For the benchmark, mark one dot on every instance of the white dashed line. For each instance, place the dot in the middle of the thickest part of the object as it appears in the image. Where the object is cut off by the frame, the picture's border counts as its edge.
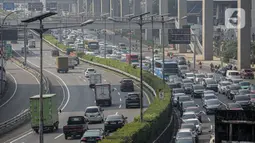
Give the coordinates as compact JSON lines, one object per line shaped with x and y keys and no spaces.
{"x":84,"y":80}
{"x":104,"y":80}
{"x":118,"y":93}
{"x":115,"y":89}
{"x":120,"y":99}
{"x":119,"y":107}
{"x":58,"y":136}
{"x":208,"y":119}
{"x":116,"y":113}
{"x":94,"y":101}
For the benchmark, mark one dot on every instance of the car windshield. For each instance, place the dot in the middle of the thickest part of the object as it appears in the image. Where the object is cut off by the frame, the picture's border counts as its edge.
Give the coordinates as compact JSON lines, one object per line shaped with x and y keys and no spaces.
{"x":188,"y":126}
{"x":210,"y":97}
{"x":178,"y":90}
{"x":91,"y":70}
{"x":235,"y":105}
{"x":242,"y":98}
{"x":195,"y":122}
{"x":213,"y":102}
{"x":235,"y":87}
{"x":184,"y":134}
{"x":243,"y":92}
{"x":189,"y":75}
{"x":225,"y":83}
{"x":233,"y":73}
{"x":114,"y":118}
{"x":198,"y":87}
{"x":196,"y":110}
{"x":92,"y":133}
{"x":245,"y":84}
{"x":209,"y":92}
{"x":200,"y":76}
{"x":187,"y":85}
{"x":184,"y":98}
{"x":210,"y":75}
{"x":92,"y":110}
{"x":188,"y":104}
{"x":211,"y":82}
{"x":188,"y":116}
{"x":183,"y":68}
{"x":184,"y":141}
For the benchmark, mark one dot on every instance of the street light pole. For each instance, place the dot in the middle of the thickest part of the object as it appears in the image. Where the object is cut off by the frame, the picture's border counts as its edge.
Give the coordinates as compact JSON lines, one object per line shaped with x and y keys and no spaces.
{"x":130,"y":50}
{"x":163,"y":44}
{"x":152,"y":27}
{"x":25,"y":45}
{"x":105,"y":37}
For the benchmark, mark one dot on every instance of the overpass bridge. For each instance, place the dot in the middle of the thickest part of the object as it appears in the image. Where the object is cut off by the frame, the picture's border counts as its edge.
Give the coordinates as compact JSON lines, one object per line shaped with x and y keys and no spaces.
{"x":31,"y":1}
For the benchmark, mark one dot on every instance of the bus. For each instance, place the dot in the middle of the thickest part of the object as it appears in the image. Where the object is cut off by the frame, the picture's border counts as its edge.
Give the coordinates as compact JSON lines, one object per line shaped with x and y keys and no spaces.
{"x":92,"y":45}
{"x":171,"y":68}
{"x":133,"y":58}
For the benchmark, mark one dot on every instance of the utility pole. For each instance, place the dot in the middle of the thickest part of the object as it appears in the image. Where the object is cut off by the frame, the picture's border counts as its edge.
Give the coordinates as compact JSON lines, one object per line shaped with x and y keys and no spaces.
{"x":25,"y":44}
{"x":163,"y":44}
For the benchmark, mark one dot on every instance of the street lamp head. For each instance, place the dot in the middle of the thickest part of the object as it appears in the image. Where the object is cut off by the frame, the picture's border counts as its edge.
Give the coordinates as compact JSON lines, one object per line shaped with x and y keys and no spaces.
{"x":140,"y":15}
{"x":82,"y":13}
{"x":105,"y":14}
{"x":129,"y":15}
{"x":90,"y":21}
{"x":111,"y":19}
{"x":39,"y":17}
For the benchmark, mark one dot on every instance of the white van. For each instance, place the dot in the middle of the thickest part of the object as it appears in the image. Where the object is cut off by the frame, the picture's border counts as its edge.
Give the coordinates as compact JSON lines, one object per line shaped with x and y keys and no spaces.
{"x":31,"y":44}
{"x":233,"y":74}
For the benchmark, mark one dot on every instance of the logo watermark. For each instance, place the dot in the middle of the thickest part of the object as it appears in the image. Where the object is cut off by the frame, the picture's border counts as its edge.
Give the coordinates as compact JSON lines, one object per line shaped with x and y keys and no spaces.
{"x":234,"y":18}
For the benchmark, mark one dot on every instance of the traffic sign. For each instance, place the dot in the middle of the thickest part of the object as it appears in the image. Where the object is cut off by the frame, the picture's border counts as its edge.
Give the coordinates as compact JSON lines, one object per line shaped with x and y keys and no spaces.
{"x":8,"y":51}
{"x":179,"y":36}
{"x":9,"y":35}
{"x":8,"y":6}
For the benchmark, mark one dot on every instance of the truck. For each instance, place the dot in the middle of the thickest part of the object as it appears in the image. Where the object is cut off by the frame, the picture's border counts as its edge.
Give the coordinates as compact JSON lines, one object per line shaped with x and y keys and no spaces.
{"x":95,"y":79}
{"x":133,"y":100}
{"x":71,"y":62}
{"x":62,"y":64}
{"x":50,"y":112}
{"x":133,"y":58}
{"x":76,"y":126}
{"x":103,"y":94}
{"x":31,"y":44}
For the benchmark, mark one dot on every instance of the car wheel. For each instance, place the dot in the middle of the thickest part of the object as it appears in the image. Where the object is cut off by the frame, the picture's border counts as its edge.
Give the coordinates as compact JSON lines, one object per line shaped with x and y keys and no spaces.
{"x":66,"y":137}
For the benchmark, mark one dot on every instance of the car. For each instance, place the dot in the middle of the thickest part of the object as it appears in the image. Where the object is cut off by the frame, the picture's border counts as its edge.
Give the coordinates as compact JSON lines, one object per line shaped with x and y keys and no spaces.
{"x":232,"y":90}
{"x":243,"y":100}
{"x":232,"y":74}
{"x":93,"y":136}
{"x":212,"y":105}
{"x":172,"y":77}
{"x":218,"y":77}
{"x":94,"y":114}
{"x":197,"y":111}
{"x":187,"y":104}
{"x":133,"y":100}
{"x":234,"y":106}
{"x":172,"y":85}
{"x":252,"y":88}
{"x":181,"y":61}
{"x":114,"y":122}
{"x":127,"y":85}
{"x":184,"y":134}
{"x":181,"y":99}
{"x":247,"y":73}
{"x":187,"y":81}
{"x":89,"y":71}
{"x":54,"y":53}
{"x":197,"y":90}
{"x":209,"y":92}
{"x":177,"y":90}
{"x":190,"y":76}
{"x":208,"y":97}
{"x":23,"y":50}
{"x":185,"y":140}
{"x":187,"y":88}
{"x":209,"y":75}
{"x":175,"y":97}
{"x":190,"y":115}
{"x":178,"y":80}
{"x":245,"y":84}
{"x":182,"y":73}
{"x":243,"y":91}
{"x":199,"y":77}
{"x":235,"y":80}
{"x":197,"y":123}
{"x":210,"y":84}
{"x":190,"y":126}
{"x":183,"y":67}
{"x":222,"y":86}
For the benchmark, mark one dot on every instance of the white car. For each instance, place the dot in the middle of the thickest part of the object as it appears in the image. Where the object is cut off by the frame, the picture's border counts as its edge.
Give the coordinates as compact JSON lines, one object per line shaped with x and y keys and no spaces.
{"x":188,"y":115}
{"x":89,"y":71}
{"x":94,"y":114}
{"x":222,"y":86}
{"x":197,"y":123}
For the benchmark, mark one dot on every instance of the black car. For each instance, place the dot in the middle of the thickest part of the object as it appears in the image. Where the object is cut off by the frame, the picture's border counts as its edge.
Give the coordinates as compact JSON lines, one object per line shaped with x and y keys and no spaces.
{"x":114,"y":122}
{"x":187,"y":88}
{"x":93,"y":136}
{"x":197,"y":90}
{"x":181,"y":61}
{"x":133,"y":100}
{"x":210,"y":84}
{"x":243,"y":100}
{"x":232,"y":90}
{"x":126,"y":85}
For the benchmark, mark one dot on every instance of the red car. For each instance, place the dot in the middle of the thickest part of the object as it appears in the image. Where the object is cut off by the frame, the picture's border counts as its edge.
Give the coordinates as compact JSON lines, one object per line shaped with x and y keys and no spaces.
{"x":247,"y":73}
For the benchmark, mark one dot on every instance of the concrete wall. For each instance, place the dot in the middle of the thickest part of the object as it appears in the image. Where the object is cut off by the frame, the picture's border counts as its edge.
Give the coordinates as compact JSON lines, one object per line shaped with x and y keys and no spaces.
{"x":182,"y":11}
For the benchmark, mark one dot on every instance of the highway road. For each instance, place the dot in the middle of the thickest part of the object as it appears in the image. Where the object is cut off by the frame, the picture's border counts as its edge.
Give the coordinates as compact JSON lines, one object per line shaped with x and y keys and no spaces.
{"x":76,"y":95}
{"x":21,"y":85}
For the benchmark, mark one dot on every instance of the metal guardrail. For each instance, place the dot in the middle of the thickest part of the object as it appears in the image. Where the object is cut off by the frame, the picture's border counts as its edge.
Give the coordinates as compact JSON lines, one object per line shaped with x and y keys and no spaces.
{"x":25,"y":115}
{"x":103,"y":66}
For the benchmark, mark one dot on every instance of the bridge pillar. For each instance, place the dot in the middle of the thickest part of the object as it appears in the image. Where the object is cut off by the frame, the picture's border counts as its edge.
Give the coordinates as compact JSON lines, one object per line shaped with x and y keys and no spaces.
{"x":244,"y":36}
{"x":80,"y":6}
{"x":137,"y":7}
{"x":149,"y":8}
{"x":96,"y":8}
{"x":207,"y":34}
{"x":163,"y":9}
{"x":182,"y":11}
{"x":253,"y":13}
{"x":124,"y":8}
{"x":105,"y":6}
{"x":115,"y":8}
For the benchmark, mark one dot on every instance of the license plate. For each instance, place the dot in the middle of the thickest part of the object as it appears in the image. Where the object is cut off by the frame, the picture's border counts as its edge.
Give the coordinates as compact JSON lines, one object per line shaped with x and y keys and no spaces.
{"x":92,"y":116}
{"x":113,"y":123}
{"x":91,"y":140}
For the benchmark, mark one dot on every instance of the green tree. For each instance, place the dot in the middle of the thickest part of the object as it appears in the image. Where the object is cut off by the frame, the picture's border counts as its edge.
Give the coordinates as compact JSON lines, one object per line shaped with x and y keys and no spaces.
{"x":229,"y":50}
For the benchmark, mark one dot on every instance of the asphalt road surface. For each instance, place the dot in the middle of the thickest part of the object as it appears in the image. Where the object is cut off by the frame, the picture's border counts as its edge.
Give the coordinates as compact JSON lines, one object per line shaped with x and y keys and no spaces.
{"x":76,"y":96}
{"x":21,"y":85}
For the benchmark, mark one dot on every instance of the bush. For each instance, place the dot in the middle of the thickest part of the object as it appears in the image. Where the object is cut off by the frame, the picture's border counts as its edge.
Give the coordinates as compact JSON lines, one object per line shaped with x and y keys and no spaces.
{"x":157,"y":115}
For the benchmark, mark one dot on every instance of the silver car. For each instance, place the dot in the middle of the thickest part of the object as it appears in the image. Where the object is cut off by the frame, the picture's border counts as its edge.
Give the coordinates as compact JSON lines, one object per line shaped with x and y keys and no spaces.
{"x":222,"y":86}
{"x":199,"y":77}
{"x":197,"y":123}
{"x":208,"y":97}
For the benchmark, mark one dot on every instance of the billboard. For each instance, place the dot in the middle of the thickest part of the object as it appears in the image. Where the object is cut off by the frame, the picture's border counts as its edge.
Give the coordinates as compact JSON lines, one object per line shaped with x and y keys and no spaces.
{"x":179,"y":36}
{"x":9,"y":35}
{"x":51,"y":6}
{"x":8,"y":6}
{"x":36,"y":6}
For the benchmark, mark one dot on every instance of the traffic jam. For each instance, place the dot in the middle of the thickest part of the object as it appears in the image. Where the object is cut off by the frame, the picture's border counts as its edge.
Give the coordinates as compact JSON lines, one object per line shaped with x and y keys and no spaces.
{"x":197,"y":95}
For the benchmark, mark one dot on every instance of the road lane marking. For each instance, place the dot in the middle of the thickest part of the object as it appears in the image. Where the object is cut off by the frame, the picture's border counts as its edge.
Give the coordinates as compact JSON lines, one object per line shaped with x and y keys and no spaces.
{"x":119,"y":107}
{"x":14,"y":92}
{"x":58,"y":136}
{"x":104,"y":80}
{"x":115,"y":88}
{"x":64,"y":94}
{"x":22,"y":136}
{"x":120,"y":99}
{"x":118,"y":93}
{"x":116,"y":113}
{"x":208,"y":119}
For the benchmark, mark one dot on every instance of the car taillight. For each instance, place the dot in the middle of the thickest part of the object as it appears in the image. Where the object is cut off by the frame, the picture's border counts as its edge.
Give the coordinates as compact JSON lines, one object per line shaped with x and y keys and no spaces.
{"x":98,"y":139}
{"x":83,"y":139}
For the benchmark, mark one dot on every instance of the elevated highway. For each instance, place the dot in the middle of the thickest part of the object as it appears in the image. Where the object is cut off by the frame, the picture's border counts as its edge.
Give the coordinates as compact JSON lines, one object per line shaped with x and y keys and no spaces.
{"x":31,"y":1}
